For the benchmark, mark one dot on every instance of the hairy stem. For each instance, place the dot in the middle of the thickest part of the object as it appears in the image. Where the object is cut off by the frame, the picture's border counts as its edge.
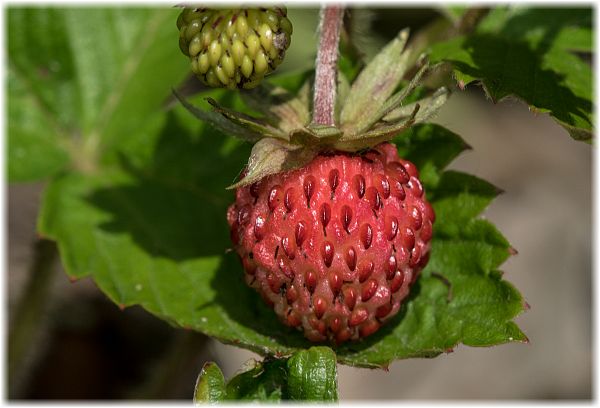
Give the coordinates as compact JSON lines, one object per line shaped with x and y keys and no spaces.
{"x":26,"y":320}
{"x":326,"y":65}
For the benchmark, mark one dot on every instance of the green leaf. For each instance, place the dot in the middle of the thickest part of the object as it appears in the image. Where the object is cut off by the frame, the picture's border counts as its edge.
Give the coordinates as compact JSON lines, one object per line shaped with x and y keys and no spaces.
{"x":460,"y":197}
{"x":153,"y":232}
{"x":210,"y":385}
{"x":528,"y":52}
{"x":34,"y":145}
{"x":78,"y":82}
{"x":312,"y":375}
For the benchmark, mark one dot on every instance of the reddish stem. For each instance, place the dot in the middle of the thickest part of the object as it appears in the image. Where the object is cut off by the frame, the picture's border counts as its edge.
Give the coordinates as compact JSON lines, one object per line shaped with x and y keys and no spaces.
{"x":326,"y":65}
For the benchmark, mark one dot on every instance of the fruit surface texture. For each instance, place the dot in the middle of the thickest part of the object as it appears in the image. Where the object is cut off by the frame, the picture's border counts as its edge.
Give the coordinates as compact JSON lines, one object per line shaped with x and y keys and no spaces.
{"x":234,"y":48}
{"x":334,"y":246}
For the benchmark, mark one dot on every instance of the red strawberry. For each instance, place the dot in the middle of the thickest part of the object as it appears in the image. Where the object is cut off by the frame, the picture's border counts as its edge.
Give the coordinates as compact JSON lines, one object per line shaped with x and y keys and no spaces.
{"x":335,"y":245}
{"x":332,"y":241}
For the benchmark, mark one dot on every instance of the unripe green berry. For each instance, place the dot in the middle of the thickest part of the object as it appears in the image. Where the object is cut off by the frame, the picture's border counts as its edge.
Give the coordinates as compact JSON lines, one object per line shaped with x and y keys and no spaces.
{"x":192,"y":29}
{"x":211,"y":79}
{"x":214,"y":52}
{"x":272,"y":19}
{"x":234,"y":47}
{"x":238,"y":51}
{"x":253,"y":44}
{"x":265,"y":36}
{"x":247,"y":66}
{"x":260,"y":63}
{"x":242,"y":26}
{"x":195,"y":47}
{"x":221,"y":75}
{"x":203,"y":63}
{"x":207,"y":38}
{"x":228,"y":65}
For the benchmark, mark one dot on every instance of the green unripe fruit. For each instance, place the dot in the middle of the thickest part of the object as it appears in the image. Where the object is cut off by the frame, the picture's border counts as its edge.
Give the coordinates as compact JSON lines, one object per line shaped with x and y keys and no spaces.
{"x":234,"y":48}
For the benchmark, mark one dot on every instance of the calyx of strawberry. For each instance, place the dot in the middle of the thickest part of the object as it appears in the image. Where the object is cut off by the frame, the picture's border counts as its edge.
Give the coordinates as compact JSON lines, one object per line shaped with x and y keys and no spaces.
{"x":368,"y":112}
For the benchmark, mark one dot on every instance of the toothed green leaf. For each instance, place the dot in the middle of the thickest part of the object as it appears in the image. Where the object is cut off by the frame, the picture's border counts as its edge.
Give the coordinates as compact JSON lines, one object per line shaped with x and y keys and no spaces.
{"x":79,"y":82}
{"x":529,"y":53}
{"x":431,"y":148}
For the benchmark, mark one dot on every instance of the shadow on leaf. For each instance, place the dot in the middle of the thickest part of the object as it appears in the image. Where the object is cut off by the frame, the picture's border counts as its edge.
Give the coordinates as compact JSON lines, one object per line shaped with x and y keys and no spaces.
{"x":546,"y":22}
{"x":514,"y":67}
{"x":175,"y":207}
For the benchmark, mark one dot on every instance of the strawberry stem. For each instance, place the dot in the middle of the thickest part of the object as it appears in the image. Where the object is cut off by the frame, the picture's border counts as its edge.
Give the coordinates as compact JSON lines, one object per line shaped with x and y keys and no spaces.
{"x":326,"y":65}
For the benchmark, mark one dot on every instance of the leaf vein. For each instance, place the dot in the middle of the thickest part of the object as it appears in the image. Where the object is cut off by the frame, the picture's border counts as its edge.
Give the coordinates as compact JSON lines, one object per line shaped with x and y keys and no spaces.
{"x":129,"y":68}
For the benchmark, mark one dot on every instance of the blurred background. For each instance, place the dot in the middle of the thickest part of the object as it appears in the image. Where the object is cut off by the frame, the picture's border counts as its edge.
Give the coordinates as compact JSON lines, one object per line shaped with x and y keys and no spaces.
{"x":71,"y":342}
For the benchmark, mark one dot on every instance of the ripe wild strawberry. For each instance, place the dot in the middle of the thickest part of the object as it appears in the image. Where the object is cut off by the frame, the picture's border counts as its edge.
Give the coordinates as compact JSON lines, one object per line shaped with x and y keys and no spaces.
{"x":334,"y":246}
{"x":331,"y":226}
{"x":234,"y":47}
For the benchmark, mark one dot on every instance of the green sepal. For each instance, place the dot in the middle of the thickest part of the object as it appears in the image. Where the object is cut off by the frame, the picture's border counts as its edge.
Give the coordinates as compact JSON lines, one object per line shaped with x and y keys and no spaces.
{"x":343,"y":89}
{"x":210,"y":385}
{"x":271,"y":156}
{"x":397,"y":99}
{"x":316,"y":136}
{"x":429,"y":106}
{"x":256,"y":125}
{"x":304,"y":137}
{"x":304,"y":94}
{"x":374,"y":85}
{"x":218,"y":121}
{"x":378,"y":134}
{"x":278,"y":105}
{"x":325,"y":132}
